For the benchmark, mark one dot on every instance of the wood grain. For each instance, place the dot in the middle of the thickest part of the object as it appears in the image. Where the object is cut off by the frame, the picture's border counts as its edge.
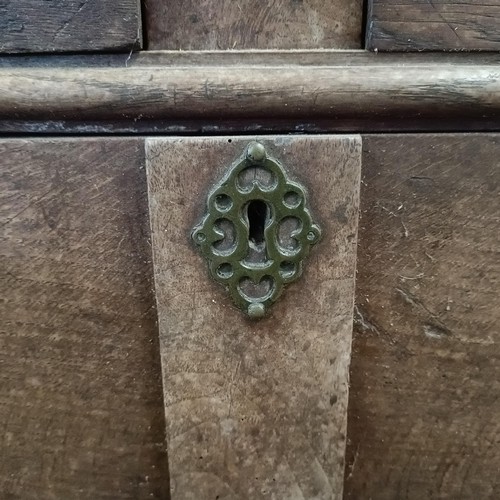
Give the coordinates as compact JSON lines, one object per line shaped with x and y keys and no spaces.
{"x":254,"y":409}
{"x":81,"y":408}
{"x":320,"y":90}
{"x":425,"y":372}
{"x":69,"y":25}
{"x":433,"y":25}
{"x":246,"y":24}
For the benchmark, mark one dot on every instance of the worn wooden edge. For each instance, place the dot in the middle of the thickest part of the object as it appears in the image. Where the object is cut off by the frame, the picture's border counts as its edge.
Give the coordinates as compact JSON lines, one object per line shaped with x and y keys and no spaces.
{"x":300,"y":91}
{"x":295,"y":57}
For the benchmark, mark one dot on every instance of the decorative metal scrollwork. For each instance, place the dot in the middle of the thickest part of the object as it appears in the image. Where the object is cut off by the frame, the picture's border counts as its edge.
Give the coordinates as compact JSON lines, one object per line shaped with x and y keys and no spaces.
{"x":257,"y":231}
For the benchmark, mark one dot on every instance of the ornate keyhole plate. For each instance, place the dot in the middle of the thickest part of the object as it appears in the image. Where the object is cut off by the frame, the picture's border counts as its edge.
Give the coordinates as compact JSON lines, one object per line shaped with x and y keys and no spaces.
{"x":257,"y":231}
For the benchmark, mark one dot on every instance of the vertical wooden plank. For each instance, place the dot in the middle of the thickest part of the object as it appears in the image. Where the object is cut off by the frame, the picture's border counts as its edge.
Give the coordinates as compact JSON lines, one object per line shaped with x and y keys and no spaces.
{"x":425,"y":372}
{"x":81,"y":409}
{"x":254,"y":409}
{"x":247,"y":24}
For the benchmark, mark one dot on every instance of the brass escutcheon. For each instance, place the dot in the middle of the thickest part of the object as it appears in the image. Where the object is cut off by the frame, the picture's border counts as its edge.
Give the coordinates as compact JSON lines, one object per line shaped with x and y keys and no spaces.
{"x":257,"y":231}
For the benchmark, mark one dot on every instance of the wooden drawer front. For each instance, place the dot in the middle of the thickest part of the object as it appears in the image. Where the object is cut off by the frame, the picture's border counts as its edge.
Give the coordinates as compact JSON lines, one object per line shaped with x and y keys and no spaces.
{"x":69,"y":25}
{"x":80,"y":391}
{"x":254,"y":408}
{"x":80,"y":399}
{"x":433,"y":25}
{"x":247,"y":24}
{"x":425,"y":370}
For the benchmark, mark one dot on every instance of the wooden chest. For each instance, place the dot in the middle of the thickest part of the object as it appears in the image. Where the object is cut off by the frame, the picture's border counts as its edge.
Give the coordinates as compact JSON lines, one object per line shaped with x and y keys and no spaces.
{"x":132,"y":361}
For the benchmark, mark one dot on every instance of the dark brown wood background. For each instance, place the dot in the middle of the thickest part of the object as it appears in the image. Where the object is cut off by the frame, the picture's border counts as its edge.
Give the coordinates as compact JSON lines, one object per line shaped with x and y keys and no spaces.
{"x":81,"y":406}
{"x":80,"y":392}
{"x":70,"y":25}
{"x":425,"y":369}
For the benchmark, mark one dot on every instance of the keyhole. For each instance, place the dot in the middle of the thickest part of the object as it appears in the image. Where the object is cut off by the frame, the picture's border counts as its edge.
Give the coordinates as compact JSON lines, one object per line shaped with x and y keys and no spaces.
{"x":257,"y":213}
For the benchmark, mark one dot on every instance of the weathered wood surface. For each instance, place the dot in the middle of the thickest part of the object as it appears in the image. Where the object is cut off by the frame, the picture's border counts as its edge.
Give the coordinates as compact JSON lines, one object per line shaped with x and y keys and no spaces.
{"x":425,"y":371}
{"x":433,"y":25}
{"x":321,"y":90}
{"x":69,"y":25}
{"x":81,"y":407}
{"x":246,"y":24}
{"x":254,"y":409}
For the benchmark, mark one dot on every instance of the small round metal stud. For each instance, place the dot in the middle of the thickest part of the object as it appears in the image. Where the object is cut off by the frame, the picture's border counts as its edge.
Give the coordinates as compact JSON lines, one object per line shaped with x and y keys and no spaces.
{"x":256,"y":310}
{"x":256,"y":152}
{"x":199,"y":237}
{"x":246,"y":245}
{"x":311,"y":236}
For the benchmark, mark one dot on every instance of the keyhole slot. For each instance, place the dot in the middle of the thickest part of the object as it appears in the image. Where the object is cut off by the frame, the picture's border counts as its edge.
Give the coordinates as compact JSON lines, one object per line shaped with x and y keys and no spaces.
{"x":257,"y":214}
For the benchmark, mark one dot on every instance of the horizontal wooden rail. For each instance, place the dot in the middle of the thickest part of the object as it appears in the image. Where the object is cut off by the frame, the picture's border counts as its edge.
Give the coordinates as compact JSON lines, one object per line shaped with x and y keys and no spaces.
{"x":241,"y":91}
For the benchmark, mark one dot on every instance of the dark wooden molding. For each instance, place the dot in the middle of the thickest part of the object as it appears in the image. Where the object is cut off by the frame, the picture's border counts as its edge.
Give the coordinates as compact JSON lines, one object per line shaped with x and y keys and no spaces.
{"x":299,"y":91}
{"x":395,"y":25}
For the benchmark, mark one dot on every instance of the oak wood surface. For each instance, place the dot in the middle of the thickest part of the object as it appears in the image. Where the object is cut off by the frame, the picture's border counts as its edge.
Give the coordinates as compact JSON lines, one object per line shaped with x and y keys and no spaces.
{"x":425,"y":371}
{"x":81,"y":408}
{"x":254,"y":409}
{"x":424,"y":375}
{"x":433,"y":25}
{"x":250,"y":24}
{"x":69,"y":25}
{"x":167,"y":93}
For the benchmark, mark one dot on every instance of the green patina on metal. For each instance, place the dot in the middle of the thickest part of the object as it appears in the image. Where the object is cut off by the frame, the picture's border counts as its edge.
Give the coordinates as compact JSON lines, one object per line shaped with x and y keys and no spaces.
{"x":257,"y":231}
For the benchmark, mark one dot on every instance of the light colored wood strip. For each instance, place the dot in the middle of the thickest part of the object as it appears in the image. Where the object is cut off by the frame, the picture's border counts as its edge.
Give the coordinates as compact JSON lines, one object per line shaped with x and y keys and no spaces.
{"x":254,"y":409}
